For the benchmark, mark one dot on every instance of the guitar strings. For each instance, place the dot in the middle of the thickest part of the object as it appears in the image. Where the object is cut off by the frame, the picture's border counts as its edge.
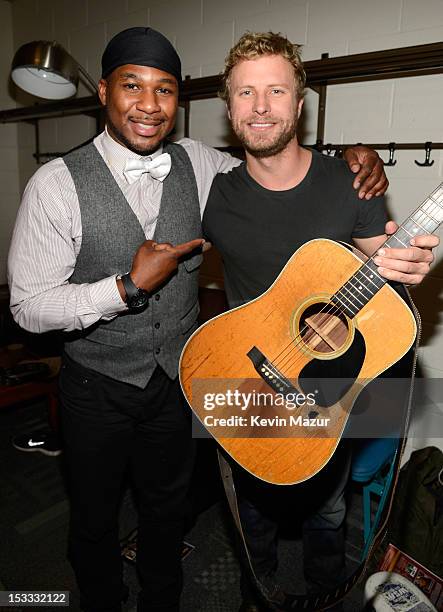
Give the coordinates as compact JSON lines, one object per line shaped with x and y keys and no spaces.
{"x":307,"y":332}
{"x":334,"y":309}
{"x":293,"y":344}
{"x":423,"y":217}
{"x":283,"y":361}
{"x":280,"y":359}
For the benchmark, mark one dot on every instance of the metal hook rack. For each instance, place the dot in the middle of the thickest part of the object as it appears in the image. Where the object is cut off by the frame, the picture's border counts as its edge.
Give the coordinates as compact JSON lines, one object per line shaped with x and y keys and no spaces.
{"x":392,"y":147}
{"x":391,"y":161}
{"x":428,"y":162}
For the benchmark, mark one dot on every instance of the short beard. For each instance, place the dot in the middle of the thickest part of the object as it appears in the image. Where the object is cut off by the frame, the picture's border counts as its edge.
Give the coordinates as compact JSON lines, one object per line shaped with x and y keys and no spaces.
{"x":261,"y":150}
{"x":126,"y":142}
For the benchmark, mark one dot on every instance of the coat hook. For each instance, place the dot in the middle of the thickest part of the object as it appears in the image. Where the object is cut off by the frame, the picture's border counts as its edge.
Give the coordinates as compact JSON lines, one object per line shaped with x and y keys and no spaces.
{"x":427,"y":162}
{"x":391,"y":161}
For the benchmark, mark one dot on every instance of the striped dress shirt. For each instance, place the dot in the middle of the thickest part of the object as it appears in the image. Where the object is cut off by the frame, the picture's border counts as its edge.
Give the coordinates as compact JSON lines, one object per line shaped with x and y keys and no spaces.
{"x":48,"y":233}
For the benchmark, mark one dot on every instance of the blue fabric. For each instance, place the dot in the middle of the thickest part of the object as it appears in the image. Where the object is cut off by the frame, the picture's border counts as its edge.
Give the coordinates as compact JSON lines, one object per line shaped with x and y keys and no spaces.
{"x":371,"y":456}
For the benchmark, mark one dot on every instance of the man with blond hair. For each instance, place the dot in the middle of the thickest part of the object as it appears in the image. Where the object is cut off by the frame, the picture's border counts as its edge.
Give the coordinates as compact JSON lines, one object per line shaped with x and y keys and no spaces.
{"x":257,"y":215}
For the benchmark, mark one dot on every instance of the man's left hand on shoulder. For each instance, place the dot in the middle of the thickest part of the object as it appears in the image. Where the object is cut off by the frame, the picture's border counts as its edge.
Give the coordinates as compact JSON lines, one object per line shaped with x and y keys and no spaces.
{"x":409,"y":265}
{"x":371,"y":179}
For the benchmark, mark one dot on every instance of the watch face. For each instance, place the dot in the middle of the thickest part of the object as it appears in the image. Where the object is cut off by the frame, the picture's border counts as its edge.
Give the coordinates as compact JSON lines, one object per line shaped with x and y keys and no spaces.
{"x":139,"y":300}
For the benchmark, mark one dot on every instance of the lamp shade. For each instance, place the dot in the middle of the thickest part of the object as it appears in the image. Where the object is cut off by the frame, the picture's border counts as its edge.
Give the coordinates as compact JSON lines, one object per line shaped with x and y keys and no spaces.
{"x":45,"y":69}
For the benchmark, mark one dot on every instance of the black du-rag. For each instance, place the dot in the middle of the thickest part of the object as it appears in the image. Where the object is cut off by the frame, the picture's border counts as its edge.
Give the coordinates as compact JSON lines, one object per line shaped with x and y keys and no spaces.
{"x":142,"y":47}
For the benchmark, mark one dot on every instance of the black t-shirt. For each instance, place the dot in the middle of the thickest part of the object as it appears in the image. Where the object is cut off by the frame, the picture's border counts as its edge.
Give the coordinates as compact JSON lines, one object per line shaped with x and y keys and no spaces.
{"x":257,"y":230}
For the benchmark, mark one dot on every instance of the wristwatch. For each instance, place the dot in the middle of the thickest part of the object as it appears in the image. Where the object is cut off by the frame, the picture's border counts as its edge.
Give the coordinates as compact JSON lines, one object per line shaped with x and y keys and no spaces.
{"x":136,"y":298}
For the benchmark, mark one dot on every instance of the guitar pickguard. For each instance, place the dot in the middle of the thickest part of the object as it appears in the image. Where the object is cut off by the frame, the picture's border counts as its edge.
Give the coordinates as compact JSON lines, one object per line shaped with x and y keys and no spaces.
{"x":331,"y":379}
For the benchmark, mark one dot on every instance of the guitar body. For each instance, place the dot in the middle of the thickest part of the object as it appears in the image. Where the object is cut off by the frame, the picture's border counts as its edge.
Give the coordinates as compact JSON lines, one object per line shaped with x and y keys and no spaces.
{"x":293,"y":325}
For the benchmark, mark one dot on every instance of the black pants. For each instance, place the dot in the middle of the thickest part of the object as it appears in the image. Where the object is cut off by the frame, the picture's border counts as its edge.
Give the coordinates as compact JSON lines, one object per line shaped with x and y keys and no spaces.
{"x":109,"y":426}
{"x":318,"y":504}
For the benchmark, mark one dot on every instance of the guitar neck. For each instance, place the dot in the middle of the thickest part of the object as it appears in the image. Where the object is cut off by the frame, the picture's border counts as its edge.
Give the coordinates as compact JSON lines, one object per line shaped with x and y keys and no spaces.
{"x":366,"y":282}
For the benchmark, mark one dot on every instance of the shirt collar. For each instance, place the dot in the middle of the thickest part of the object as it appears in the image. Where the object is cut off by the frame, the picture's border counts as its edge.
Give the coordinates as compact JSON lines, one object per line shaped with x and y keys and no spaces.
{"x":117,"y":154}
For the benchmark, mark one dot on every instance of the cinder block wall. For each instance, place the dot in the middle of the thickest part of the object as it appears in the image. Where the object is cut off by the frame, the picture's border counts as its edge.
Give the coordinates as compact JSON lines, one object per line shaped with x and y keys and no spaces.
{"x":400,"y":110}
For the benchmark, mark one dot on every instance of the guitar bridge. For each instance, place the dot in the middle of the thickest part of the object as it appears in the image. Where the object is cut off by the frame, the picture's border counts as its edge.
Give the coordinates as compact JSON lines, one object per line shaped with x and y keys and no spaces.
{"x":269,"y":373}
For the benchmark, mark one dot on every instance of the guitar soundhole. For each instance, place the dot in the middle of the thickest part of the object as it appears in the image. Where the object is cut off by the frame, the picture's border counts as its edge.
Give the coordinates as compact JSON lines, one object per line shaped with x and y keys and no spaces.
{"x":323,"y":328}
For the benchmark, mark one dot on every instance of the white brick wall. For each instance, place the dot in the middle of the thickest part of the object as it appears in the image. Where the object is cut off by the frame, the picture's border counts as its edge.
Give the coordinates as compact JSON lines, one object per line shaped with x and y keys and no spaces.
{"x":203,"y":30}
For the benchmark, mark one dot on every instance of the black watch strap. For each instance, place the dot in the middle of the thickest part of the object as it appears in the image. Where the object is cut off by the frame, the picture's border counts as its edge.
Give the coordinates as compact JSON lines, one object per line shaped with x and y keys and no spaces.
{"x":130,"y":289}
{"x":136,"y":298}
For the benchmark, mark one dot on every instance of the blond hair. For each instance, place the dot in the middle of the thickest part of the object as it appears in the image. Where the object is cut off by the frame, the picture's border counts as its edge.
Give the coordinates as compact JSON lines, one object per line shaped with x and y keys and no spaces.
{"x":256,"y":44}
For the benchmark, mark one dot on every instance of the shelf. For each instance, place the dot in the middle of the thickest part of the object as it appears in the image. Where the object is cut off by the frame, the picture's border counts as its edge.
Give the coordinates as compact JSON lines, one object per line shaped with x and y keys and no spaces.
{"x":392,"y":63}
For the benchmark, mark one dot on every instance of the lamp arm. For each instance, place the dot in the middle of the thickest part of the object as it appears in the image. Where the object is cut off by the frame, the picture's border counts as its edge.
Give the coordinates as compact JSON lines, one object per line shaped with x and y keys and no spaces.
{"x":86,"y":76}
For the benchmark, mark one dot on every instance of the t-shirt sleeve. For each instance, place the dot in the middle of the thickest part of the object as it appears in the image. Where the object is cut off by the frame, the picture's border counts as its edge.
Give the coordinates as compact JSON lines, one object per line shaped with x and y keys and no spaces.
{"x":371,"y":217}
{"x":207,"y":162}
{"x":207,"y":214}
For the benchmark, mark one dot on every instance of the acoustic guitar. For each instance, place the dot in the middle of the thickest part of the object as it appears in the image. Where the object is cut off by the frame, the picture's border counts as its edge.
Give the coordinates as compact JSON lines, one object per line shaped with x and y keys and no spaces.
{"x":274,"y":380}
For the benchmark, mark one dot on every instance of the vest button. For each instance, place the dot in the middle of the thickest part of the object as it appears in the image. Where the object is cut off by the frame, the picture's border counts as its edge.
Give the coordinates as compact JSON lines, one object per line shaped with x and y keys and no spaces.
{"x":157,"y":325}
{"x":157,"y":351}
{"x":157,"y":297}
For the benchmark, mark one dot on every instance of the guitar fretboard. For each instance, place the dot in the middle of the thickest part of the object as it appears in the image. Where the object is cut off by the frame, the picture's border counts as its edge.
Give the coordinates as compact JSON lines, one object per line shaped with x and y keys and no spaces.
{"x":365,"y":283}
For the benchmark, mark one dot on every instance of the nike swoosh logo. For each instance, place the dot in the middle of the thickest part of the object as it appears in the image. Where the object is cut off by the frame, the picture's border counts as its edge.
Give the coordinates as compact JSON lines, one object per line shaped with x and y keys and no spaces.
{"x":31,"y":443}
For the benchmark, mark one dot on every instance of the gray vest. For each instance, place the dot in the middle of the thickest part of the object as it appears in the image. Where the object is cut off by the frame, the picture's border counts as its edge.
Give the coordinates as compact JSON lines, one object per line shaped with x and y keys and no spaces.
{"x":129,"y":347}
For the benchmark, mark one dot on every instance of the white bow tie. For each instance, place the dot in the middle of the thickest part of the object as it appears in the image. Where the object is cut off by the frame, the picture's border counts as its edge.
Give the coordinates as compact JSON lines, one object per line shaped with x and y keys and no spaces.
{"x":158,"y":168}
